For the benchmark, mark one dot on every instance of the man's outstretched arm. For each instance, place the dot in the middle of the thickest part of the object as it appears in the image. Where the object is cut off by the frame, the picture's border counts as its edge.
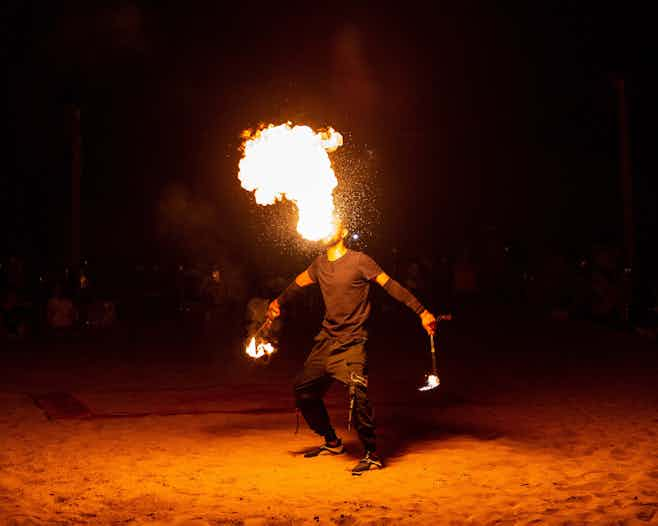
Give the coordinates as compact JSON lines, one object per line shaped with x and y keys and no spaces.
{"x":404,"y":296}
{"x":301,"y":281}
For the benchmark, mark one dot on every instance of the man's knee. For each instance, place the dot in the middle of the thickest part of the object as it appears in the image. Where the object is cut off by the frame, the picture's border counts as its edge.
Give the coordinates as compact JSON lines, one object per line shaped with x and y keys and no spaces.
{"x":306,"y":395}
{"x":361,"y":399}
{"x":362,"y":408}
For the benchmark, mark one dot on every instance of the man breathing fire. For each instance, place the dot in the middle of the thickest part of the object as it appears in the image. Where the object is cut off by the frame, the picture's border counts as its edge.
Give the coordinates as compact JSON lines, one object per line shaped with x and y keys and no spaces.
{"x":339,"y":352}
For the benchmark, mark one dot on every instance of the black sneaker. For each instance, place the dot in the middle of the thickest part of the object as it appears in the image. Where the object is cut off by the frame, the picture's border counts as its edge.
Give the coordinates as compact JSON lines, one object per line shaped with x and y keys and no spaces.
{"x":370,"y":461}
{"x":328,"y":448}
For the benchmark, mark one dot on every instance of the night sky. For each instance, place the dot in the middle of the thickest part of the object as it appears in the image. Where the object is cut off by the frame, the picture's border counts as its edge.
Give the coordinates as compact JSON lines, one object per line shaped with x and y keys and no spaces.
{"x":456,"y":119}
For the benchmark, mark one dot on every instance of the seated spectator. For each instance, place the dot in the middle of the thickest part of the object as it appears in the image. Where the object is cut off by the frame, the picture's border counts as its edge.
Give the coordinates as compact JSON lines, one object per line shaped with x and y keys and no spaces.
{"x":61,"y":312}
{"x":101,"y":314}
{"x":255,"y":313}
{"x":13,"y":317}
{"x":255,"y":316}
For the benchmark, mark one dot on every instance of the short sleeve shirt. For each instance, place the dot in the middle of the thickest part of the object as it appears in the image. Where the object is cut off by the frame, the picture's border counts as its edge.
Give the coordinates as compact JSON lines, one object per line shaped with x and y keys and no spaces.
{"x":345,"y":287}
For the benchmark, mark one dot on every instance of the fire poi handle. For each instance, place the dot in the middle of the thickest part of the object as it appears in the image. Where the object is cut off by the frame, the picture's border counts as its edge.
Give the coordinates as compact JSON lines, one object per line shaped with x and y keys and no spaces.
{"x":432,"y":348}
{"x":266,"y":325}
{"x":440,"y":317}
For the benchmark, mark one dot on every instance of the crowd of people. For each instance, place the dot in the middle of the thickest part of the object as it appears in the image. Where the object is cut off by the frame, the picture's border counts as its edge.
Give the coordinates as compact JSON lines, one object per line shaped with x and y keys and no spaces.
{"x":49,"y":302}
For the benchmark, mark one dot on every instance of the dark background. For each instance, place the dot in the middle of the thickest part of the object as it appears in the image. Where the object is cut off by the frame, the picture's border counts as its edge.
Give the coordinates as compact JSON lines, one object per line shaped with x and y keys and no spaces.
{"x":459,"y":118}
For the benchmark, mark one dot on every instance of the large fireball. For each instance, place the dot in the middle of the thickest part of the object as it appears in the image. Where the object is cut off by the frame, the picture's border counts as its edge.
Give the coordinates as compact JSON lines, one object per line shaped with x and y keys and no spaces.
{"x":291,"y":162}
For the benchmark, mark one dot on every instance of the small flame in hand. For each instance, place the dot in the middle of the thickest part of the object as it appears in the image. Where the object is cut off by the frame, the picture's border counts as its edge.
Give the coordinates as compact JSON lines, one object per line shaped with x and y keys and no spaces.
{"x":432,"y":382}
{"x":260,"y":350}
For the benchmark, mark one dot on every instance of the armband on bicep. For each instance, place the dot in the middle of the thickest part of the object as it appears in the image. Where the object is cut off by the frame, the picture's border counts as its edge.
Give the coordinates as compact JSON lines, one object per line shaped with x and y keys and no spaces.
{"x":403,"y":295}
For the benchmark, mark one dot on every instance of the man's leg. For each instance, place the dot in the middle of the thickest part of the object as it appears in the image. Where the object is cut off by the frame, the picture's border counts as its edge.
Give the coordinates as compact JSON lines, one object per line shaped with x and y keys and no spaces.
{"x":348,"y":366}
{"x":362,"y":416}
{"x":308,"y":399}
{"x":365,"y":426}
{"x":310,"y":387}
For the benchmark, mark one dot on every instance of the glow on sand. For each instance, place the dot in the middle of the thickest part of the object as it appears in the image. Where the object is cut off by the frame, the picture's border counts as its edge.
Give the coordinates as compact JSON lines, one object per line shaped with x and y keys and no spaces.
{"x":292,"y":162}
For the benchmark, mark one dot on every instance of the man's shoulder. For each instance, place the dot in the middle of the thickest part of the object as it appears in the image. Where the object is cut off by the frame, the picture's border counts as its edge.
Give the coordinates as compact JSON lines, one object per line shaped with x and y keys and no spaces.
{"x":313,"y":266}
{"x":355,"y":257}
{"x":361,"y":256}
{"x":317,"y":259}
{"x":365,"y":263}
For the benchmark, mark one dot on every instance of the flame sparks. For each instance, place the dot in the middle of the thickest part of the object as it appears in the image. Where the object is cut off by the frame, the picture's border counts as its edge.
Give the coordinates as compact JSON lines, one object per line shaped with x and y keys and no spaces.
{"x":432,"y":382}
{"x":286,"y":162}
{"x":259,"y":350}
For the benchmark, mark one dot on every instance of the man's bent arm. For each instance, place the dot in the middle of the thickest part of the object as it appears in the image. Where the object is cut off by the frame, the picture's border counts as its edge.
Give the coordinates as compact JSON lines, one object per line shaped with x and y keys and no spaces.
{"x":400,"y":293}
{"x":404,"y":296}
{"x":301,"y":281}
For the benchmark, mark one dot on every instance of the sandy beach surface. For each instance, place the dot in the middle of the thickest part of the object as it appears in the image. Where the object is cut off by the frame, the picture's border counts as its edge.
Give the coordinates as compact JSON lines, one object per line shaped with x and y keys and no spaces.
{"x":536,"y":422}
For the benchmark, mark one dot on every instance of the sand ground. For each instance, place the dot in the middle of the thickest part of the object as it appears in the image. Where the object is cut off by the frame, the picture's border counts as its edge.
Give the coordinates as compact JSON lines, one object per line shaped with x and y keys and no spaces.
{"x":536,"y":422}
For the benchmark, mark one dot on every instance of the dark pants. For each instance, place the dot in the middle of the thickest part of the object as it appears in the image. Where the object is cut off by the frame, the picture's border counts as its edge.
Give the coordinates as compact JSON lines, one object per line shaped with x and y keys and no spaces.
{"x":332,"y":360}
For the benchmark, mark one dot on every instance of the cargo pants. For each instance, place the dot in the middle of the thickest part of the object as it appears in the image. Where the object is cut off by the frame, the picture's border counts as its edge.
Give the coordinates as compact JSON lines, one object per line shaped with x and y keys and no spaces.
{"x":329,"y":360}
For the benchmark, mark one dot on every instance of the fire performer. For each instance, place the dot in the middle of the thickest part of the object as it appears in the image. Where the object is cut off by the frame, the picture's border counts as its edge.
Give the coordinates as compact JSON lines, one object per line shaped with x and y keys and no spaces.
{"x":339,"y":352}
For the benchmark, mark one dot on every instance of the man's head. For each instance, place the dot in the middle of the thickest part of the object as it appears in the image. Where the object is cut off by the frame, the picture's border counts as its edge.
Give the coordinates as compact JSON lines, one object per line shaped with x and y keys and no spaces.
{"x":339,"y":233}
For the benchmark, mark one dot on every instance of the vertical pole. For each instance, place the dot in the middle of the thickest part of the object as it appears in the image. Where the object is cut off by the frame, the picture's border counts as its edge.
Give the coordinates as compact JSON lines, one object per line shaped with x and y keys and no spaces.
{"x":76,"y":170}
{"x":625,"y":174}
{"x":626,"y":183}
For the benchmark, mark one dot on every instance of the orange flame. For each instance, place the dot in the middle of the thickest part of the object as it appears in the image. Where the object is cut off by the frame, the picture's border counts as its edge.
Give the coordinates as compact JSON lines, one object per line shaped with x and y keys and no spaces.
{"x":286,"y":162}
{"x":260,"y":350}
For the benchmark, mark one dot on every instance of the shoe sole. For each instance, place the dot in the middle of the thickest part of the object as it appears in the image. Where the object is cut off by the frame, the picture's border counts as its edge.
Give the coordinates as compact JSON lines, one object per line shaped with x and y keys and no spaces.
{"x":323,"y":451}
{"x":371,"y":467}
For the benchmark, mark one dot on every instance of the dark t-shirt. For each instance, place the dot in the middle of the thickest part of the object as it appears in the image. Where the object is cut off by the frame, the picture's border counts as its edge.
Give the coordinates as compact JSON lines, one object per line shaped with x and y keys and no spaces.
{"x":345,"y":284}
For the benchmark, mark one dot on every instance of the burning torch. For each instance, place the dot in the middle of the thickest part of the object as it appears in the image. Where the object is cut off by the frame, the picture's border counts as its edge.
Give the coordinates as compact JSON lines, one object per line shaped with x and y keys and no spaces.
{"x":432,"y":381}
{"x":258,"y":346}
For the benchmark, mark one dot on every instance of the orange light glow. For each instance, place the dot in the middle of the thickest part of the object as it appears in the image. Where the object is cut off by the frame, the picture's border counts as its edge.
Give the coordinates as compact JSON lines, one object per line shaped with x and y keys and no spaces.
{"x":259,"y":350}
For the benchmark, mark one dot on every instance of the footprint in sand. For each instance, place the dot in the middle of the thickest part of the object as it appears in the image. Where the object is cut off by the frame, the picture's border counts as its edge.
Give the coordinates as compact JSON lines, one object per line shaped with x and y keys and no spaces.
{"x":191,"y":522}
{"x":585,"y":486}
{"x":581,"y":499}
{"x":647,"y":513}
{"x":344,"y":520}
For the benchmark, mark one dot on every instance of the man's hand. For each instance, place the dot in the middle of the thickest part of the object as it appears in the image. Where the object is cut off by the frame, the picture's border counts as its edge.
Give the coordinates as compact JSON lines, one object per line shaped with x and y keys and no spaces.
{"x":273,"y":311}
{"x":429,"y":322}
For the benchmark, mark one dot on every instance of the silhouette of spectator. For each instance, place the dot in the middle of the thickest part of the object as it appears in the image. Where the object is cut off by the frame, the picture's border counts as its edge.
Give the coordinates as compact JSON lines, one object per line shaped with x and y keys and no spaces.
{"x":13,"y":316}
{"x":413,"y":279}
{"x":607,"y":284}
{"x":256,"y":312}
{"x":443,"y":285}
{"x":60,"y":311}
{"x":15,"y":274}
{"x":465,"y":275}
